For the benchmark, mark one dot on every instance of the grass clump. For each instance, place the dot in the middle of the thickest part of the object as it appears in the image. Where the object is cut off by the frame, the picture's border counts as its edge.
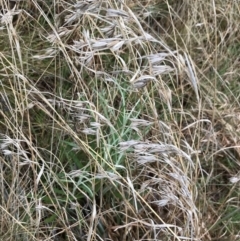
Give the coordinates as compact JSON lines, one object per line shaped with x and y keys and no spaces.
{"x":119,"y":120}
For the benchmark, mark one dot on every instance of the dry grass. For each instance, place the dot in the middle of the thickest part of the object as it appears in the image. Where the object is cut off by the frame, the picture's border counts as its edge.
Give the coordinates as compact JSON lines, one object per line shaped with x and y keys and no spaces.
{"x":119,"y":120}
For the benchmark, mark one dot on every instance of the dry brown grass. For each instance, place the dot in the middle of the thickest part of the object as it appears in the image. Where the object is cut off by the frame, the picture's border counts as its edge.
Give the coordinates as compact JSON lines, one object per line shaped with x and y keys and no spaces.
{"x":119,"y":120}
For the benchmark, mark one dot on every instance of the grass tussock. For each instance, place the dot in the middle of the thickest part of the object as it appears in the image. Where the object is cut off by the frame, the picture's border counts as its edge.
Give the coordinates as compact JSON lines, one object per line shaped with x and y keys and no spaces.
{"x":119,"y":120}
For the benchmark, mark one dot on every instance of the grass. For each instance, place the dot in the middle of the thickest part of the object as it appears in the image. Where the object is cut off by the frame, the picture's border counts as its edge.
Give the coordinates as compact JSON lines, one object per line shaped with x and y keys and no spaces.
{"x":119,"y":120}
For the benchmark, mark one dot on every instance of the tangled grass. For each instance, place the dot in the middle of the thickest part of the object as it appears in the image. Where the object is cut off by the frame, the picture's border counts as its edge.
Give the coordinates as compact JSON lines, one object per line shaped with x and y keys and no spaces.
{"x":119,"y":120}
